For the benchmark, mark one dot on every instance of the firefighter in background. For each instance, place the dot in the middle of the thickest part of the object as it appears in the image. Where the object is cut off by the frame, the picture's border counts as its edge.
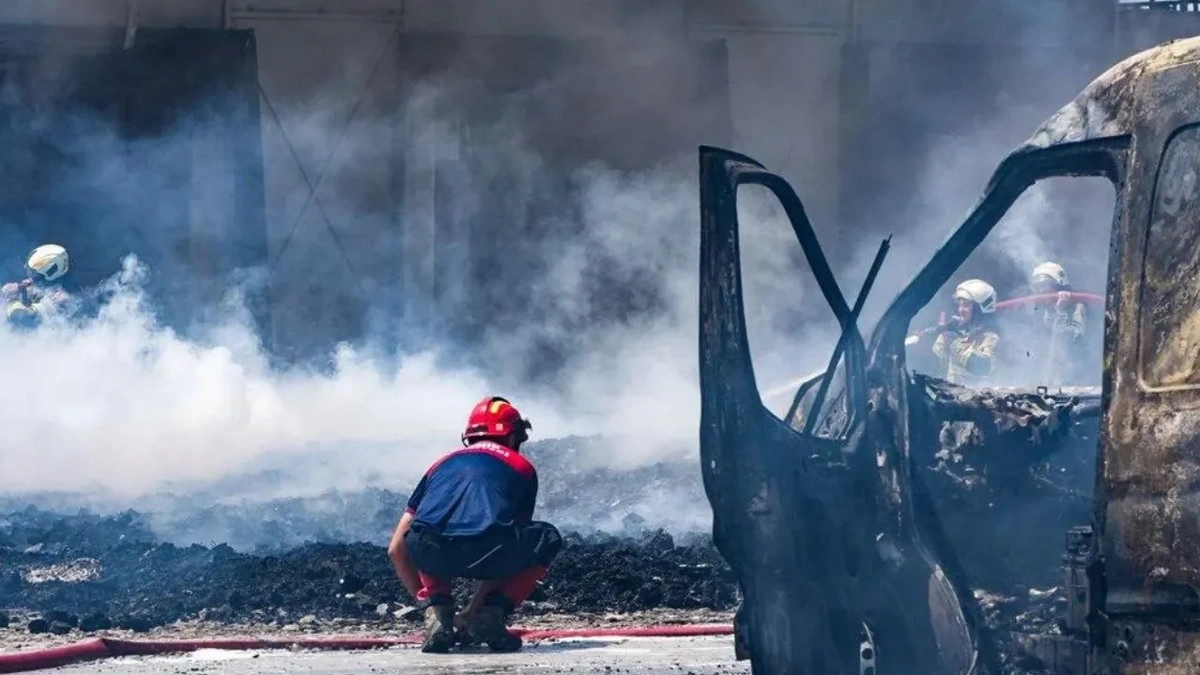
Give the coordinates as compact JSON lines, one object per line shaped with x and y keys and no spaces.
{"x":42,"y":289}
{"x":1064,"y":320}
{"x":967,"y":343}
{"x":966,"y":347}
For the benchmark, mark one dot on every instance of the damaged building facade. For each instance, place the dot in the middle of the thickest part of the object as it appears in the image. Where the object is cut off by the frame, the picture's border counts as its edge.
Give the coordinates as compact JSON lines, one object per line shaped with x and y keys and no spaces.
{"x":327,"y":142}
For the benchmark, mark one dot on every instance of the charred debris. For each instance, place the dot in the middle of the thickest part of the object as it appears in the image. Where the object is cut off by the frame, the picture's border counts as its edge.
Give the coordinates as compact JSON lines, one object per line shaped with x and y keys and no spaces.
{"x":114,"y":572}
{"x":998,"y":488}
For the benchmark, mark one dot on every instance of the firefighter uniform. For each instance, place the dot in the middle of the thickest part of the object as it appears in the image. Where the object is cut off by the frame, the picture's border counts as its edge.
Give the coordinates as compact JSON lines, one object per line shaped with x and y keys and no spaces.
{"x":969,"y":357}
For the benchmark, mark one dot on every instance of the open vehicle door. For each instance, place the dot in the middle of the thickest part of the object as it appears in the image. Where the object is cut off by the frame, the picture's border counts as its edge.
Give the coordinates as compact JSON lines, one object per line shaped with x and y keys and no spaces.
{"x":817,"y":524}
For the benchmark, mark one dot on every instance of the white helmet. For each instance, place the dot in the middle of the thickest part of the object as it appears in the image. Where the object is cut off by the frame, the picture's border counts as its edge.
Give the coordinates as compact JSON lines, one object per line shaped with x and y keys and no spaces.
{"x":49,"y":261}
{"x":1049,"y":271}
{"x":979,"y":292}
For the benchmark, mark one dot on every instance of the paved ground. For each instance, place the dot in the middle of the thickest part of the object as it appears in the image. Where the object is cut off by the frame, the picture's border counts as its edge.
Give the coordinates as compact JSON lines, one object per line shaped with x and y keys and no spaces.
{"x":16,"y":638}
{"x":632,"y":656}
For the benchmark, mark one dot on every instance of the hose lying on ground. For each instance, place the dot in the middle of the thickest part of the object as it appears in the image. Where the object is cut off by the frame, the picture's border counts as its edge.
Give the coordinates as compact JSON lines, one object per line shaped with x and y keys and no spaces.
{"x":103,"y":648}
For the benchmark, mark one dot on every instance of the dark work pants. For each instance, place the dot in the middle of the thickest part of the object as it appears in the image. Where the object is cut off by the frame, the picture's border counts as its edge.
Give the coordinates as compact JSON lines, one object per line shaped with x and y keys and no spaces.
{"x":519,"y":556}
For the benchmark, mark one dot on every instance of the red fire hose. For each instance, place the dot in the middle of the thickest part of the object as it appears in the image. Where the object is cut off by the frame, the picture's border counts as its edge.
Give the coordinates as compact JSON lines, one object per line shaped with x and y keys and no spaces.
{"x":1085,"y":298}
{"x":102,"y":648}
{"x":1014,"y":303}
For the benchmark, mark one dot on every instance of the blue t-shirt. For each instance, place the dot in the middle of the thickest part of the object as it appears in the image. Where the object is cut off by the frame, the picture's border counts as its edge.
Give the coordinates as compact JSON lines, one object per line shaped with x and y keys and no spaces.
{"x":473,"y":489}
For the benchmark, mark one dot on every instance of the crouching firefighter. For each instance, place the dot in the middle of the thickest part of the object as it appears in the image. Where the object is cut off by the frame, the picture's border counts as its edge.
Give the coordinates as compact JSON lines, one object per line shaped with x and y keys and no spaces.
{"x":43,"y":288}
{"x":471,"y":517}
{"x":968,"y":341}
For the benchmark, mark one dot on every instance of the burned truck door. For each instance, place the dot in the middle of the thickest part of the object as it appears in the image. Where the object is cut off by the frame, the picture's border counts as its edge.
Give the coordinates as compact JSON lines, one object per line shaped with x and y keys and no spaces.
{"x":1148,"y":496}
{"x":777,"y":505}
{"x":831,"y":584}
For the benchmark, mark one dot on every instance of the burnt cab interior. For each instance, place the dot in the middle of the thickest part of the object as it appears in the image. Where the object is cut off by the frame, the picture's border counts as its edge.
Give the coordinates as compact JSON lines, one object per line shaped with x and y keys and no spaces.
{"x":849,"y":533}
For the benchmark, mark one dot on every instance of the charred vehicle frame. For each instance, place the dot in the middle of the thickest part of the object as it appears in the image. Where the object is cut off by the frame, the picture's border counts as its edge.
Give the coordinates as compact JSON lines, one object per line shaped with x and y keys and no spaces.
{"x":831,"y":520}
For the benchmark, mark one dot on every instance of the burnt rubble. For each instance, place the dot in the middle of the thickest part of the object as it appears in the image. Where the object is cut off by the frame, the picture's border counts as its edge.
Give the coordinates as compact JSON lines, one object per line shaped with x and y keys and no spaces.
{"x":575,"y":494}
{"x":84,"y":571}
{"x":271,"y":560}
{"x":1010,"y":474}
{"x":135,"y":583}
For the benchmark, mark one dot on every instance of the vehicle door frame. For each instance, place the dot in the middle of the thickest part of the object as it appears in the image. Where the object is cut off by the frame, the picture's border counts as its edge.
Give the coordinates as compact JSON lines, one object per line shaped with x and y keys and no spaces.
{"x":1017,"y":173}
{"x":758,"y":471}
{"x":890,"y":416}
{"x":743,"y":170}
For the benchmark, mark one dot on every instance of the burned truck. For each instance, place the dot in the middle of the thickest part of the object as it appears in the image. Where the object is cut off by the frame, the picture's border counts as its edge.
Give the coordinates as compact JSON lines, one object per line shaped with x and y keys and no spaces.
{"x":847,"y":539}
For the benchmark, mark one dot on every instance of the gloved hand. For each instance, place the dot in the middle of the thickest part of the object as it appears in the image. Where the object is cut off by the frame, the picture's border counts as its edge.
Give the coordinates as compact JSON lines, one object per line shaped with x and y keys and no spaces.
{"x":1064,"y":298}
{"x":14,"y":287}
{"x":953,"y":324}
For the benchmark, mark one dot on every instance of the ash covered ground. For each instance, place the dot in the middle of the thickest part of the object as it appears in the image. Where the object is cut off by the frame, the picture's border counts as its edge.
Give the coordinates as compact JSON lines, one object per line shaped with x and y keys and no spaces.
{"x":113,"y":572}
{"x":319,"y":558}
{"x":293,"y":499}
{"x":318,"y":563}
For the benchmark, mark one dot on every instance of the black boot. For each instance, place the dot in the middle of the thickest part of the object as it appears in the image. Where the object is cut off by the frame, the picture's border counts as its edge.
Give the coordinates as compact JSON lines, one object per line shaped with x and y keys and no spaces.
{"x":489,"y":625}
{"x":439,"y":628}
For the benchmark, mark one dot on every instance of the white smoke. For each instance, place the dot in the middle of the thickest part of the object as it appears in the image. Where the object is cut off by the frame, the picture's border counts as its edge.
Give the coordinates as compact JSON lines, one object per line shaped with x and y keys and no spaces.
{"x":123,"y":405}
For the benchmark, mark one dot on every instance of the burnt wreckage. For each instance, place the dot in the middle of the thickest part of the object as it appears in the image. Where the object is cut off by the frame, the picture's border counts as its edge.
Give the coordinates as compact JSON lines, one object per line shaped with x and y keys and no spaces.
{"x":849,"y":552}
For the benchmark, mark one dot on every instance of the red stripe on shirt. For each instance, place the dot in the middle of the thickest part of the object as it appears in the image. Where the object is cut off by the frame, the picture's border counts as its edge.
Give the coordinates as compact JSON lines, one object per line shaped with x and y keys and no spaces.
{"x":512,"y":458}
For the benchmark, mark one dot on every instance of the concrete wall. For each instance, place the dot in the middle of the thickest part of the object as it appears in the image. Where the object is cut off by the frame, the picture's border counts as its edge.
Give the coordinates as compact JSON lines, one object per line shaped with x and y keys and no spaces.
{"x":1141,"y":29}
{"x":783,"y":79}
{"x":789,"y":100}
{"x":329,"y":92}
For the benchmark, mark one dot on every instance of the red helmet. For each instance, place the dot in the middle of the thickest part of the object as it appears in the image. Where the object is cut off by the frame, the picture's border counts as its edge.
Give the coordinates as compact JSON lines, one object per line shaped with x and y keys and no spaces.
{"x":495,"y":417}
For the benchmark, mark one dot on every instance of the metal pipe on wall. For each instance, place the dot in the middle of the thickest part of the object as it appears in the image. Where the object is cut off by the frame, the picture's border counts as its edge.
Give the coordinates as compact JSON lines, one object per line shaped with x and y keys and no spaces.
{"x":385,"y":16}
{"x":705,"y":29}
{"x":131,"y":22}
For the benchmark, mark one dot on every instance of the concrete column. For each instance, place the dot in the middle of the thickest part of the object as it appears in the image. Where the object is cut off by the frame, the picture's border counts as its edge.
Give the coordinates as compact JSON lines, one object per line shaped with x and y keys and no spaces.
{"x":418,"y":219}
{"x":210,"y":200}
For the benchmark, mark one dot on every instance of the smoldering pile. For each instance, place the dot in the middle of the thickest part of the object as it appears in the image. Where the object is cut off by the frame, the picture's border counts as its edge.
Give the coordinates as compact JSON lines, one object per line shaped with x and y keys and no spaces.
{"x":286,"y":562}
{"x":88,"y":572}
{"x":275,"y":560}
{"x":250,"y":513}
{"x":113,"y":571}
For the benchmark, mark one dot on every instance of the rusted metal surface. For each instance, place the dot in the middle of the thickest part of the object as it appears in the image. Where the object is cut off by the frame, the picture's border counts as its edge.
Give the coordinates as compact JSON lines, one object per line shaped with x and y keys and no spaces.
{"x":1148,"y":649}
{"x":880,"y":477}
{"x":1150,"y":505}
